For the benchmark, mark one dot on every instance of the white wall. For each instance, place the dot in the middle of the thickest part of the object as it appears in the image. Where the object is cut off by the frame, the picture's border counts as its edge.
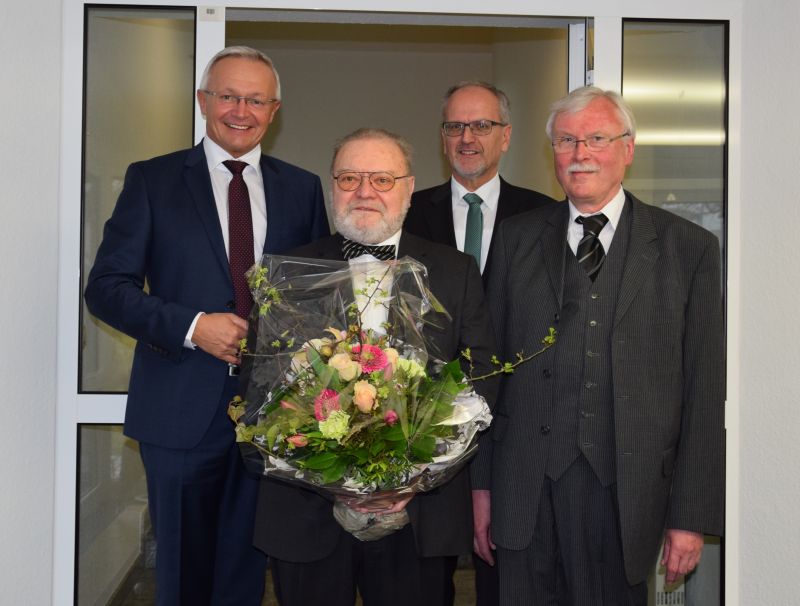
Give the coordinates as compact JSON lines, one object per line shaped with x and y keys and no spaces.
{"x":30,"y":103}
{"x":770,"y":330}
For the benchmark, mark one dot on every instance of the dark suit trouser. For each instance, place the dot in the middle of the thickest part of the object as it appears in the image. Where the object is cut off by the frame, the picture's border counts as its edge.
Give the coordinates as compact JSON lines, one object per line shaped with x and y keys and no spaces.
{"x":575,"y":558}
{"x":487,"y":585}
{"x":202,"y":506}
{"x":386,"y":572}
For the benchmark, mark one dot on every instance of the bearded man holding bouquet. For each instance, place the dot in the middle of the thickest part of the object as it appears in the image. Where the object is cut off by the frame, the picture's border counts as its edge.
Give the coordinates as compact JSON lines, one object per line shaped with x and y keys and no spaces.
{"x":314,"y":560}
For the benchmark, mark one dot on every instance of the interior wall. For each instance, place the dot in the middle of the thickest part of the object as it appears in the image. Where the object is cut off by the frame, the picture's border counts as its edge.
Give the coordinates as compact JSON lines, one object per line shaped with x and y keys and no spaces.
{"x":533,"y":73}
{"x":29,"y":165}
{"x":770,"y":331}
{"x":336,"y":78}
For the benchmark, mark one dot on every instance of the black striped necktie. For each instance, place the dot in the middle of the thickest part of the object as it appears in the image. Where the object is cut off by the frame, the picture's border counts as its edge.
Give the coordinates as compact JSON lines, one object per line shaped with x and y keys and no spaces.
{"x":590,"y":250}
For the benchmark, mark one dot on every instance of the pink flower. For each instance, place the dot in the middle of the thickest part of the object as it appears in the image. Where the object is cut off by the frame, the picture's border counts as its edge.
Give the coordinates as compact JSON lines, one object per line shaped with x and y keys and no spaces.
{"x":390,"y":418}
{"x":364,"y":395}
{"x":298,"y":440}
{"x":288,"y":405}
{"x":325,"y":403}
{"x":370,"y":357}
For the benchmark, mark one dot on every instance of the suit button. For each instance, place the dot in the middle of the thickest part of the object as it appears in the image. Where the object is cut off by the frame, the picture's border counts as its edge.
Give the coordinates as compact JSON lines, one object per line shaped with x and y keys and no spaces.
{"x":592,"y":323}
{"x":545,"y":429}
{"x":595,"y":295}
{"x":547,"y":373}
{"x":231,"y":304}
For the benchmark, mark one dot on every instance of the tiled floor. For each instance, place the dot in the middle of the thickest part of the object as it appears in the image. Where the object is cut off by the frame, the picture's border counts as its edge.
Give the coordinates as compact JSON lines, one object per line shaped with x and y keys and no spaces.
{"x":139,"y":589}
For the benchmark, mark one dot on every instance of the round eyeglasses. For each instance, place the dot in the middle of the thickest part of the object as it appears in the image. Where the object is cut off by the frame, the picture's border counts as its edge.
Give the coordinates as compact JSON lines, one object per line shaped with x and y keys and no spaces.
{"x":481,"y":128}
{"x":565,"y":145}
{"x":381,"y":181}
{"x":228,"y":99}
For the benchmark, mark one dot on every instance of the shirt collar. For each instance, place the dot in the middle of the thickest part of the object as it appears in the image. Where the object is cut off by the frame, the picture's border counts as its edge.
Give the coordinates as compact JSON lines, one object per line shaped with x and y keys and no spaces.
{"x":394,"y":239}
{"x":215,"y":155}
{"x":612,"y":210}
{"x":489,"y":192}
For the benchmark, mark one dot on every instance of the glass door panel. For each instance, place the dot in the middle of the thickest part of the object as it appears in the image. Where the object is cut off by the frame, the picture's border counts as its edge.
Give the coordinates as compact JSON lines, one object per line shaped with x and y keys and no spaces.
{"x":138,"y":103}
{"x":674,"y":76}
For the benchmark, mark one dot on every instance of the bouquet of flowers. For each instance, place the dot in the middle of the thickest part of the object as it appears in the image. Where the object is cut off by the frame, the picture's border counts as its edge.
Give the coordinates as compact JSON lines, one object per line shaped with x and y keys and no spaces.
{"x":344,"y":394}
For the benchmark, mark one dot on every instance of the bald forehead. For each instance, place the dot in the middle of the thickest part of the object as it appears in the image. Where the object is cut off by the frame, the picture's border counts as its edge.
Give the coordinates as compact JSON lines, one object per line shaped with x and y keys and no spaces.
{"x":384,"y":147}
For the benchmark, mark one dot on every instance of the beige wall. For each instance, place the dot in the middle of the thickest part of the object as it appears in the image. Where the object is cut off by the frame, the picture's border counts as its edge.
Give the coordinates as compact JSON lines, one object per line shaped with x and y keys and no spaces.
{"x":336,"y":78}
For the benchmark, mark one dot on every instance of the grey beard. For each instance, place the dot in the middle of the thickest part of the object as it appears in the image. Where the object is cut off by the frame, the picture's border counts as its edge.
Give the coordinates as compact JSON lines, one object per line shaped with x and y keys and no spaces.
{"x":376,"y":234}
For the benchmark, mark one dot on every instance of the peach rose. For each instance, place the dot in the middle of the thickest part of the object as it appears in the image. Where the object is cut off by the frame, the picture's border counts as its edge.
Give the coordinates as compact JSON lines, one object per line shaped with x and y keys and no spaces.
{"x":298,"y":440}
{"x":392,"y":356}
{"x":348,"y":369}
{"x":364,"y":396}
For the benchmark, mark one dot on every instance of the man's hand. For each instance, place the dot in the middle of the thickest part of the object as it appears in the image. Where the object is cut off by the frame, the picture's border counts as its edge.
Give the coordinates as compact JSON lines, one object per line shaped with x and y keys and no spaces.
{"x":379,"y":506}
{"x":482,"y":525}
{"x":219,"y":335}
{"x":682,"y":549}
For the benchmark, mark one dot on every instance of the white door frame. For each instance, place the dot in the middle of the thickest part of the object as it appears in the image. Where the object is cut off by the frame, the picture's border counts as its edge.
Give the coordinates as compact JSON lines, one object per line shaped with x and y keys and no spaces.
{"x":73,"y":409}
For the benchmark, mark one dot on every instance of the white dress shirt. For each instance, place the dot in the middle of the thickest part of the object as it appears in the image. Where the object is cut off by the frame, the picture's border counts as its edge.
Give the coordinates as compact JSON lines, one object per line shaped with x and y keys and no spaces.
{"x":374,"y":311}
{"x":220,"y":180}
{"x":489,"y":192}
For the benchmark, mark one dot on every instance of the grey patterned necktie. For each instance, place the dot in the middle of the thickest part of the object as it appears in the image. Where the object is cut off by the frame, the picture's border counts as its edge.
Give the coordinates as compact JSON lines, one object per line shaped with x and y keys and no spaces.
{"x":590,"y":250}
{"x":474,"y":232}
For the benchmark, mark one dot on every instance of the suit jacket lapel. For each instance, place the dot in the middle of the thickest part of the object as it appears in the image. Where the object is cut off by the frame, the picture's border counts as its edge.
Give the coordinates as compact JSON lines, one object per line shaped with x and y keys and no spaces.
{"x":642,"y":255}
{"x":439,"y":215}
{"x":198,"y":182}
{"x":504,"y":205}
{"x":276,"y":212}
{"x":504,"y":210}
{"x":554,"y":248}
{"x":329,"y":248}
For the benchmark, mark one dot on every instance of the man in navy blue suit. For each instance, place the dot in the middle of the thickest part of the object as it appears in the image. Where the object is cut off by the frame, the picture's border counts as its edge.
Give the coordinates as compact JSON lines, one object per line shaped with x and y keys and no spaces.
{"x":162,"y":276}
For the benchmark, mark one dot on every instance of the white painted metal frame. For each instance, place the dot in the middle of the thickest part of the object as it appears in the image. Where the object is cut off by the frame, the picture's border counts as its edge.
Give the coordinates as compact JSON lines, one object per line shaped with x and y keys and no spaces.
{"x":74,"y":409}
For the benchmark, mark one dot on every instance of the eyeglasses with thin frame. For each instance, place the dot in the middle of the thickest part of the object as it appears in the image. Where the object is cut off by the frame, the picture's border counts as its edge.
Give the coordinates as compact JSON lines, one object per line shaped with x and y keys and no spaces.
{"x":481,"y":128}
{"x":228,"y":99}
{"x":351,"y":180}
{"x":567,"y":144}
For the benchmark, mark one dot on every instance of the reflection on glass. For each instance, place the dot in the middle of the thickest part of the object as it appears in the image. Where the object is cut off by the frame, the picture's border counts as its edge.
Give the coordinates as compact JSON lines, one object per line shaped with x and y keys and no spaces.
{"x":139,"y":103}
{"x":674,"y":78}
{"x":112,"y":509}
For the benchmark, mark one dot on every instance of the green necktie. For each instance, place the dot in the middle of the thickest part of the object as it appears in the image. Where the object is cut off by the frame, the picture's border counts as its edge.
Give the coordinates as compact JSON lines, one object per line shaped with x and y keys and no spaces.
{"x":474,"y":231}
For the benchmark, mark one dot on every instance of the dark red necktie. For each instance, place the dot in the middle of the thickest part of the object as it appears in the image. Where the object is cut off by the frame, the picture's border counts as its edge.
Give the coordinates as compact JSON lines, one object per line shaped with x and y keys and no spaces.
{"x":240,"y":236}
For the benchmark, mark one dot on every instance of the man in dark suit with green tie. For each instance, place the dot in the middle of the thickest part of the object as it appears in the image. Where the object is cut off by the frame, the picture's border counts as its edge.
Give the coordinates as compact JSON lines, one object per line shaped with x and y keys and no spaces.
{"x":463,"y":212}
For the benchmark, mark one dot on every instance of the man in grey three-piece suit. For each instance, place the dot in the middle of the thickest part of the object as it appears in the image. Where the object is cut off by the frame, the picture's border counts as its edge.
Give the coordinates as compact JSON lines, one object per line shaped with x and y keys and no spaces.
{"x":614,"y":438}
